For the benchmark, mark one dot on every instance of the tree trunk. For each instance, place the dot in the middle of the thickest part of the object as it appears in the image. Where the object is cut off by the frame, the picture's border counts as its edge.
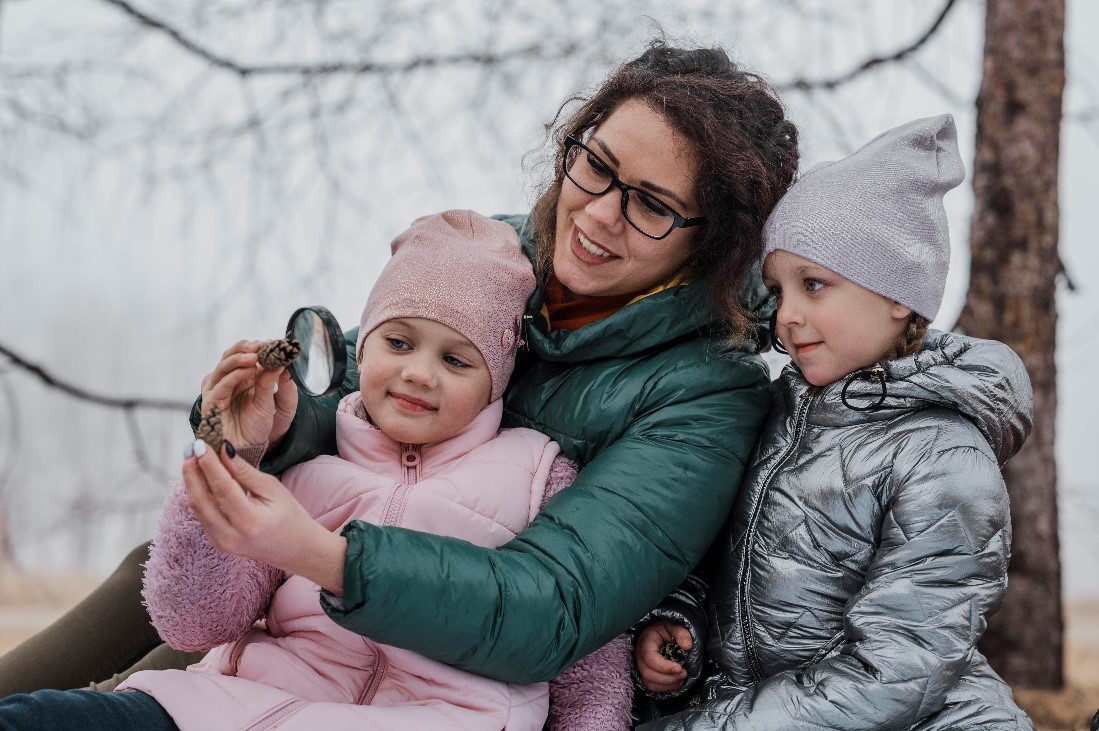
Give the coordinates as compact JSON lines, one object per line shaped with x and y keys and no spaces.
{"x":1012,"y":298}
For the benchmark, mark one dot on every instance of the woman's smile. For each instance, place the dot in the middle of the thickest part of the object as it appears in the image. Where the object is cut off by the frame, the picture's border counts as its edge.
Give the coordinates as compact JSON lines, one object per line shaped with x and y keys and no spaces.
{"x":588,"y":251}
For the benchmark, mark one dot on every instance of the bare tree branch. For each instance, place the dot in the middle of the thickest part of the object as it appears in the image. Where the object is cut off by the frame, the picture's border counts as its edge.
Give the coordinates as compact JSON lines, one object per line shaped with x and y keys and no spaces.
{"x":141,"y":453}
{"x":871,"y":63}
{"x":537,"y":51}
{"x":79,"y":393}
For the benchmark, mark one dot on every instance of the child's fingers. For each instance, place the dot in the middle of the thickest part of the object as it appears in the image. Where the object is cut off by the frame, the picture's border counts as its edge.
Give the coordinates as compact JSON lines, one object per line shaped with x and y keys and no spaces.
{"x":286,"y":405}
{"x":287,"y":389}
{"x":682,"y":636}
{"x":242,"y":346}
{"x":222,"y":390}
{"x":230,"y":363}
{"x":268,"y":379}
{"x":661,"y":682}
{"x":655,"y":668}
{"x":657,"y":664}
{"x":667,"y":630}
{"x":649,"y":644}
{"x":662,"y":666}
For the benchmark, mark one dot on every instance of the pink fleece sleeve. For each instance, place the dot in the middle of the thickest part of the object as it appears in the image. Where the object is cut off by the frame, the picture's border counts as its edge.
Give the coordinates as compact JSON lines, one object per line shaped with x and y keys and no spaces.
{"x":199,"y":597}
{"x":596,"y":692}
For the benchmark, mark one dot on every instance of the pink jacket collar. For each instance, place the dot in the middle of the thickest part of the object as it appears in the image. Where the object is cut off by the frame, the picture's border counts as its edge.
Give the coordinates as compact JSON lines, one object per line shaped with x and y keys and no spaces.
{"x":362,"y":443}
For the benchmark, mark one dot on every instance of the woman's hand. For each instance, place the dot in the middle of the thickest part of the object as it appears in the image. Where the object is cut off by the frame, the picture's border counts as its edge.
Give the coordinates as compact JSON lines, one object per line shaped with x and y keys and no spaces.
{"x":257,"y":405}
{"x":249,"y":513}
{"x":658,"y":673}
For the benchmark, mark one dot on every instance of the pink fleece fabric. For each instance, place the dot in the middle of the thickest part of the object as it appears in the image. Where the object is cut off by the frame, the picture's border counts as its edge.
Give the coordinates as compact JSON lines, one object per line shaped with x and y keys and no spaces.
{"x":225,"y":594}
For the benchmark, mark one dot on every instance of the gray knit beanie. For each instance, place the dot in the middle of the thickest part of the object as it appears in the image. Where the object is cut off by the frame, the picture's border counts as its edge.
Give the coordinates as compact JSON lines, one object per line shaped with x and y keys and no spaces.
{"x":877,"y":217}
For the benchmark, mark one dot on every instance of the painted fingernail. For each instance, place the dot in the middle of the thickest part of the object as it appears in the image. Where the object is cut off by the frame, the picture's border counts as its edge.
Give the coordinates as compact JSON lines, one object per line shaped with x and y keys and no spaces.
{"x":275,"y":388}
{"x":230,"y":449}
{"x":189,"y":450}
{"x":200,"y":447}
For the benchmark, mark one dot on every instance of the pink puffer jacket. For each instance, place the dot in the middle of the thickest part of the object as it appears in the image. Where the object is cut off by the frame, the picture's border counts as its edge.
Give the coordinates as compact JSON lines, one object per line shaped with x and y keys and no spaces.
{"x":297,"y":669}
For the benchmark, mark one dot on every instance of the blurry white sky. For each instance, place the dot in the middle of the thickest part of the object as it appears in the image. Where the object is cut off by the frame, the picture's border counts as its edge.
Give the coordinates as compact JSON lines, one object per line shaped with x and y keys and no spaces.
{"x":129,"y":286}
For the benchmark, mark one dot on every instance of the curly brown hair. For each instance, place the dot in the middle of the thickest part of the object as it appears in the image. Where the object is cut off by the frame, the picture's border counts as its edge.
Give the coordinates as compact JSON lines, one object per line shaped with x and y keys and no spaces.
{"x":747,"y":152}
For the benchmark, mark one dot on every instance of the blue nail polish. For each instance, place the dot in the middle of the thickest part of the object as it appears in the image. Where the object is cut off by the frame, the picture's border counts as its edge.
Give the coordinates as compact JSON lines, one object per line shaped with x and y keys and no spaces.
{"x":189,"y":450}
{"x":200,"y":447}
{"x":230,"y":449}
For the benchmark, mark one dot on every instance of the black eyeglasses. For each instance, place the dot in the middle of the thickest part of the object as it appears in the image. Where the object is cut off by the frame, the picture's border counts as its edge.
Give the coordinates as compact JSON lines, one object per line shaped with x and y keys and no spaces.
{"x":641,"y":209}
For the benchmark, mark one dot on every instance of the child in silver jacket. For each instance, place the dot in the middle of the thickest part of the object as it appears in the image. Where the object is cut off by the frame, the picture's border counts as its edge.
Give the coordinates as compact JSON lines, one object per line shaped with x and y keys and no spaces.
{"x":869,"y":543}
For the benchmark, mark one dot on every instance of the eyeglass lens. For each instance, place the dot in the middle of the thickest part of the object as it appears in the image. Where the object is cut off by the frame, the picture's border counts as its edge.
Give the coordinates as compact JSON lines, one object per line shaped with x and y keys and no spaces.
{"x":592,"y":175}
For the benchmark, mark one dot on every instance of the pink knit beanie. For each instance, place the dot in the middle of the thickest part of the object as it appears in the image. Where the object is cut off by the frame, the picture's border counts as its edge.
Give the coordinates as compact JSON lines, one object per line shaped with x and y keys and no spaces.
{"x":465,"y":271}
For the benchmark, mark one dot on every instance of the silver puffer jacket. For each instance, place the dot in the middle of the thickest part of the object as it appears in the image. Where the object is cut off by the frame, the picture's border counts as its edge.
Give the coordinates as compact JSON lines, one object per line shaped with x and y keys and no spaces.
{"x":864,"y":554}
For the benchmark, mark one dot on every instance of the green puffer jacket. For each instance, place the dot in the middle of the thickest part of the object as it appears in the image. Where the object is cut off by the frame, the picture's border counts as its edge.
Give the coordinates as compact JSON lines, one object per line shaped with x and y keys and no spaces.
{"x":660,"y":416}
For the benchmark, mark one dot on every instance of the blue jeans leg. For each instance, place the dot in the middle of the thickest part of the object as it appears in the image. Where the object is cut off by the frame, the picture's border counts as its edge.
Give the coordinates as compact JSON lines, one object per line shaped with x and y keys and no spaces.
{"x":63,"y":710}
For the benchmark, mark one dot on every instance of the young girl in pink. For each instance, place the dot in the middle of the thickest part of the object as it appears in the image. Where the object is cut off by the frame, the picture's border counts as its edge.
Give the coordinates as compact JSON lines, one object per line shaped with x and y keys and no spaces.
{"x":420,"y":446}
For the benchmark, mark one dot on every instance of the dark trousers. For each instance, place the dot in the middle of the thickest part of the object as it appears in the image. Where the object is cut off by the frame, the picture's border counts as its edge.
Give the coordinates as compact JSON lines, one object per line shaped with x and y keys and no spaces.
{"x":62,"y":710}
{"x":107,"y":633}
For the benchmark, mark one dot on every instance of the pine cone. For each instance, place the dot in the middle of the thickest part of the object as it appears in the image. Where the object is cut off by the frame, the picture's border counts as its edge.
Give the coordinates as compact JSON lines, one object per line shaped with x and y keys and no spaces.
{"x":209,"y":428}
{"x":275,"y":354}
{"x":672,"y":651}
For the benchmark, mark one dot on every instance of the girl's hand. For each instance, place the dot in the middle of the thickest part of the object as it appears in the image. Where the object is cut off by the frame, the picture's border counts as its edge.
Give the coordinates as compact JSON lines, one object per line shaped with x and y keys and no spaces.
{"x":249,"y":513}
{"x":286,"y":405}
{"x":257,"y":405}
{"x":658,"y":673}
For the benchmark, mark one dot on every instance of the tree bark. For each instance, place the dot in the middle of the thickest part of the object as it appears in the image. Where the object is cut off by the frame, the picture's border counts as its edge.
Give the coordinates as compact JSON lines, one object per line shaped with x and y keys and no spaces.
{"x":1012,"y":298}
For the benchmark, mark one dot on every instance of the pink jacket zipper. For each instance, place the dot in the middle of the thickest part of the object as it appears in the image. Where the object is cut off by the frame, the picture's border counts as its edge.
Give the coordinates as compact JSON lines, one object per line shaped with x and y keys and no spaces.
{"x":410,"y":462}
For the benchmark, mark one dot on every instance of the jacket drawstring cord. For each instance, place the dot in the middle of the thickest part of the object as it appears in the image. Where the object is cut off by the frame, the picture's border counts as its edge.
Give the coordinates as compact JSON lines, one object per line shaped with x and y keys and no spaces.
{"x":773,"y":334}
{"x":867,"y":374}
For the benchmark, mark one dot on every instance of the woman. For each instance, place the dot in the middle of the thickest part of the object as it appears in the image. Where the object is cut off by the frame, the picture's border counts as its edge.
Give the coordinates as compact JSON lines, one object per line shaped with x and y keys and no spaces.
{"x":641,"y":242}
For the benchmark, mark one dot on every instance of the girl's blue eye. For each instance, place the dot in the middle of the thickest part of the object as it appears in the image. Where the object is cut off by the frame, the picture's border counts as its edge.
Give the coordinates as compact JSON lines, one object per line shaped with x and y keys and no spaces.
{"x":813,"y":285}
{"x":397,"y":344}
{"x":455,"y":362}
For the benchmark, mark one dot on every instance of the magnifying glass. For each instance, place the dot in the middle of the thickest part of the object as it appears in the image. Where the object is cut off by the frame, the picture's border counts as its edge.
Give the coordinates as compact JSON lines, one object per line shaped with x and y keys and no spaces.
{"x":320,"y":367}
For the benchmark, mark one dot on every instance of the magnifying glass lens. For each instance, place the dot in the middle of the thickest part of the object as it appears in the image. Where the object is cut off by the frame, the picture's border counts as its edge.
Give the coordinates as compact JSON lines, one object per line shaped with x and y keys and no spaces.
{"x":320,"y":368}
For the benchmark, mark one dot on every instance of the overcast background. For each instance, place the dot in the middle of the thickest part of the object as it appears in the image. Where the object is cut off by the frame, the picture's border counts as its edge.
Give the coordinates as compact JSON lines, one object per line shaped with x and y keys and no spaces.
{"x":155,"y":208}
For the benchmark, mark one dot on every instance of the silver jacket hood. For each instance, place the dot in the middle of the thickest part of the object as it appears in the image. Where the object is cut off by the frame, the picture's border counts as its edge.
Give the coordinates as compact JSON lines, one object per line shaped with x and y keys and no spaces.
{"x":983,"y":380}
